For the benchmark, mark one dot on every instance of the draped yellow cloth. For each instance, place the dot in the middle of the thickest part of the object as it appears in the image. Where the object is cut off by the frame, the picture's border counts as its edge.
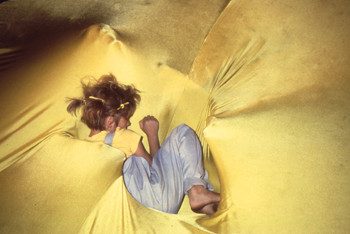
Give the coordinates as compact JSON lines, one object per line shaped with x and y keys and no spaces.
{"x":268,"y":95}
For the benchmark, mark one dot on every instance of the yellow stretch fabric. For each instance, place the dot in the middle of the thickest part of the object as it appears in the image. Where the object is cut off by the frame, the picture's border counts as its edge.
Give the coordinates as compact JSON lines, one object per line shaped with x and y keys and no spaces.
{"x":278,"y":115}
{"x":268,"y":95}
{"x":48,"y":170}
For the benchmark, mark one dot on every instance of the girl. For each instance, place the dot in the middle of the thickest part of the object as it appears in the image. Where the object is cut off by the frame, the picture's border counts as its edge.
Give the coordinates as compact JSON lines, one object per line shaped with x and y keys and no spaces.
{"x":158,"y":179}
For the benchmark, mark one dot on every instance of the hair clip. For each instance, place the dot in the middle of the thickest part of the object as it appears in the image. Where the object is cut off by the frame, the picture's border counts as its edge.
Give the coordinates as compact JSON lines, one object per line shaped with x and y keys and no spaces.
{"x":98,"y":99}
{"x":123,"y":105}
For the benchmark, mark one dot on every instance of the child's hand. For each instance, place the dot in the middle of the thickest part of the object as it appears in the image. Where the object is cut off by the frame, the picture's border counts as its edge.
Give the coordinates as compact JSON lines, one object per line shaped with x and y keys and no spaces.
{"x":149,"y":125}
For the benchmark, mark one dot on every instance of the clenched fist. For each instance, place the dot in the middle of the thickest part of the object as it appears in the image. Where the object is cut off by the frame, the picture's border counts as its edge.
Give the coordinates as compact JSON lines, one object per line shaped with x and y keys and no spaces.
{"x":149,"y":125}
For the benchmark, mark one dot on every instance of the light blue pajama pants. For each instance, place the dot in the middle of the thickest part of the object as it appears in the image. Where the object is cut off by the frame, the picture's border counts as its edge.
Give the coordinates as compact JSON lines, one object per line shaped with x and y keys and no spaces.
{"x":176,"y":167}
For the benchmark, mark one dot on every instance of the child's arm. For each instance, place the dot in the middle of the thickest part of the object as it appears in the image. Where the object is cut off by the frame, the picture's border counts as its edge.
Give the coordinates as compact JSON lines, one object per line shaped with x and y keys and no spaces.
{"x":141,"y":152}
{"x":150,"y":126}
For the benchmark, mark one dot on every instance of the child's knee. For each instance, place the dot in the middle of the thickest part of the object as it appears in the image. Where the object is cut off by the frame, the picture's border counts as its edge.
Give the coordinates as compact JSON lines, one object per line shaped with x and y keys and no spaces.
{"x":183,"y":133}
{"x":183,"y":128}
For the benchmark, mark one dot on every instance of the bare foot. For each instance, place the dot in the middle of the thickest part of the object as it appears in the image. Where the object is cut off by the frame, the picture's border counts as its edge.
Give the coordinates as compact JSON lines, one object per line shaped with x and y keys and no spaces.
{"x":203,"y":200}
{"x":211,"y":208}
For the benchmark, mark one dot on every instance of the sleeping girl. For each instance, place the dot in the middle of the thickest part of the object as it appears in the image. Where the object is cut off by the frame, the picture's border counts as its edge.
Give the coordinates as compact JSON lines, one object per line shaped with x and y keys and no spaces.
{"x":159,"y":178}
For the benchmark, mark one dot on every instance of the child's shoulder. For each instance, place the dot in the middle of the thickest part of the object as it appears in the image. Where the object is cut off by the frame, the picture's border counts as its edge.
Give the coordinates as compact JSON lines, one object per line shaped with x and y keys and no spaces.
{"x":126,"y":133}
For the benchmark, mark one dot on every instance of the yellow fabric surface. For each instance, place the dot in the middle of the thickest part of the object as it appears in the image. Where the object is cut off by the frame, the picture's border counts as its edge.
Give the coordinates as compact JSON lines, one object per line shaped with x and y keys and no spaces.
{"x":278,"y":115}
{"x":124,"y":139}
{"x":52,"y":180}
{"x":268,"y":95}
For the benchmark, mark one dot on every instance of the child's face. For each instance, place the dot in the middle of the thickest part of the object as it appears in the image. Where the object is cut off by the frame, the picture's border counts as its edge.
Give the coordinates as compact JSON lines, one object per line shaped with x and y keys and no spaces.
{"x":124,"y":122}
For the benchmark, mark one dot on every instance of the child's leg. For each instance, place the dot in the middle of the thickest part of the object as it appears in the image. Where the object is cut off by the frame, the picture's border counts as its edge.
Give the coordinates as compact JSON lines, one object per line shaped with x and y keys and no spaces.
{"x":180,"y":160}
{"x":195,"y":185}
{"x":190,"y":152}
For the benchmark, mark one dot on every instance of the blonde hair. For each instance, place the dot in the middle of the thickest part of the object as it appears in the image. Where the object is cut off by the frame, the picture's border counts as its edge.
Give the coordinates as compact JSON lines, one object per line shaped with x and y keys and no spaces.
{"x":102,"y":98}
